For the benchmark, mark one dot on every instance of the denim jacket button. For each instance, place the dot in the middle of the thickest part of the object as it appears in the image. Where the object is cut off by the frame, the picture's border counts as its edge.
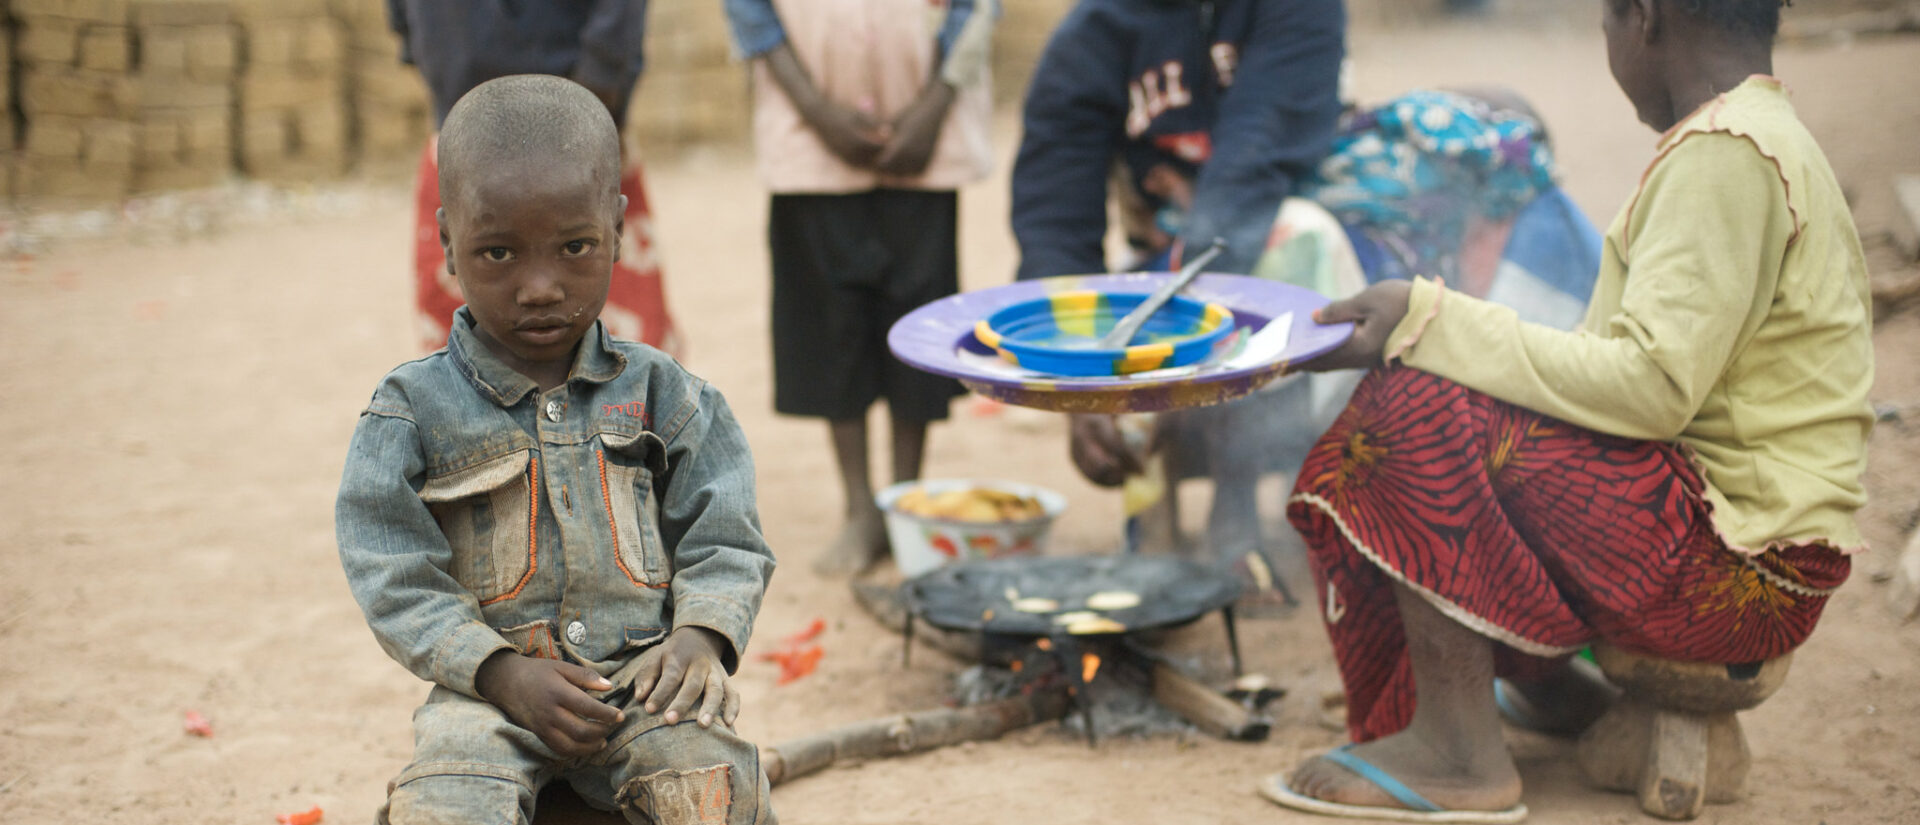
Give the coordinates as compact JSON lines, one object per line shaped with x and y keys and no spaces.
{"x":554,"y":409}
{"x":576,"y":633}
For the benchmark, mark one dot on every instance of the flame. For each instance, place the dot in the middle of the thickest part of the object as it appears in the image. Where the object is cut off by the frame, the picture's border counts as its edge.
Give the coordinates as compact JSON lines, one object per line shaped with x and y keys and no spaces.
{"x":1089,"y":665}
{"x":1044,"y":643}
{"x":1018,"y":665}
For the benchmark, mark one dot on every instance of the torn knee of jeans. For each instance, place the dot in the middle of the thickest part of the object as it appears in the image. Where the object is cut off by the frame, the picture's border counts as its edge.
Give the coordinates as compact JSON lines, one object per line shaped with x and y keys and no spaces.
{"x":684,"y":797}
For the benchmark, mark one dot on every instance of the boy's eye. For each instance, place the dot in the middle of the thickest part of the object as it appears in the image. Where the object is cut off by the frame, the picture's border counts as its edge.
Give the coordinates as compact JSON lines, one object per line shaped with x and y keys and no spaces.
{"x":497,"y":254}
{"x":577,"y":247}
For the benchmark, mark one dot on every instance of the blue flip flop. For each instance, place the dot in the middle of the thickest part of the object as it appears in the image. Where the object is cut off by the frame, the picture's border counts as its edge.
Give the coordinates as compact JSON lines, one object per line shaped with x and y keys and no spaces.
{"x":1416,"y":808}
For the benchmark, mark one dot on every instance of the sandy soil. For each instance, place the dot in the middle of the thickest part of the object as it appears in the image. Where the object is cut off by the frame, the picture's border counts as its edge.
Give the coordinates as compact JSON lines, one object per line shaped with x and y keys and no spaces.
{"x":181,"y":410}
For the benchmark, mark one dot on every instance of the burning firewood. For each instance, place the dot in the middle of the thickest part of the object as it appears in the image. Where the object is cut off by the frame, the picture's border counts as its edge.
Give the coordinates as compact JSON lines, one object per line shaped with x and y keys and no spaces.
{"x":1206,"y":708}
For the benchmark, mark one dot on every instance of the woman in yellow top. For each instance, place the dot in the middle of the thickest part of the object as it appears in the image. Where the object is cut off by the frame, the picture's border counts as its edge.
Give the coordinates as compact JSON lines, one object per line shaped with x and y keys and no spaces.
{"x":1679,"y":477}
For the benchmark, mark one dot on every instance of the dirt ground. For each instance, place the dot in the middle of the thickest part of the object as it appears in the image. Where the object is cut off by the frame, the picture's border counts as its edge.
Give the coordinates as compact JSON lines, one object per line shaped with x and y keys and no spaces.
{"x":181,"y":409}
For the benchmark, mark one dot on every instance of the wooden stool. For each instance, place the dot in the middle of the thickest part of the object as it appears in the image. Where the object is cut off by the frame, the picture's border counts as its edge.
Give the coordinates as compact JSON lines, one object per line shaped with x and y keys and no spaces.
{"x":560,"y":805}
{"x":1672,"y":738}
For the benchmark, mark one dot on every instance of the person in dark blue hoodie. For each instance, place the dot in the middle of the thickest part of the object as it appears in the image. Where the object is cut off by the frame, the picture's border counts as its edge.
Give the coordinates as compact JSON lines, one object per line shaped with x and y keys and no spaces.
{"x":1238,"y":97}
{"x":1205,"y":115}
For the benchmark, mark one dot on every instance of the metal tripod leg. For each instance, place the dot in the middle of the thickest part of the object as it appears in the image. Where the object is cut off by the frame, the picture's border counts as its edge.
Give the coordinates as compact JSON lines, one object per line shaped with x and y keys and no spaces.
{"x":906,"y":644}
{"x":1233,"y":639}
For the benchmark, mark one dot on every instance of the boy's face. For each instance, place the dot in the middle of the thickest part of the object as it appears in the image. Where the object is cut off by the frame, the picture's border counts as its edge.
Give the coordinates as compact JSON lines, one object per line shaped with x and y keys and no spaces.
{"x":533,"y":248}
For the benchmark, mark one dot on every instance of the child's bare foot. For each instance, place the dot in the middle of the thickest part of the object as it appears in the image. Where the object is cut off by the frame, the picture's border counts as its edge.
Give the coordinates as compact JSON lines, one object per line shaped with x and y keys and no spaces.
{"x":862,"y":542}
{"x":1448,"y":776}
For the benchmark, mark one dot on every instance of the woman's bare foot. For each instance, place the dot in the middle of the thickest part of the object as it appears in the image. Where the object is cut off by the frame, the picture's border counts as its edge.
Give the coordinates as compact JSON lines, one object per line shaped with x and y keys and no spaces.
{"x":1447,"y":775}
{"x":1451,"y":751}
{"x":862,"y":542}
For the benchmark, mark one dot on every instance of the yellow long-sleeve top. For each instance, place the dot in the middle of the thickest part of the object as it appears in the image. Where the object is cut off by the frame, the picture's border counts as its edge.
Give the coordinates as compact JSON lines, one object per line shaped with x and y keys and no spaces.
{"x":1731,"y":315}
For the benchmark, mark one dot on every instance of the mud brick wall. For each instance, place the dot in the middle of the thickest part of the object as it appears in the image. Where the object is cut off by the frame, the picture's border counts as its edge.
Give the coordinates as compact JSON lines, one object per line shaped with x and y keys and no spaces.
{"x":291,"y":112}
{"x":1022,"y":34}
{"x":76,"y":97}
{"x":121,"y":96}
{"x":390,"y":113}
{"x":110,"y":98}
{"x":693,"y":91}
{"x":187,"y":53}
{"x":9,"y":123}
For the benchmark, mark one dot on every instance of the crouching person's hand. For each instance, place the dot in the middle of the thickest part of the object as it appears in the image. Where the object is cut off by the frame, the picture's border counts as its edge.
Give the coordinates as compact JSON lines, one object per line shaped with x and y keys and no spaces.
{"x":684,"y":676}
{"x":550,"y":699}
{"x":1100,"y":451}
{"x":1374,"y":313}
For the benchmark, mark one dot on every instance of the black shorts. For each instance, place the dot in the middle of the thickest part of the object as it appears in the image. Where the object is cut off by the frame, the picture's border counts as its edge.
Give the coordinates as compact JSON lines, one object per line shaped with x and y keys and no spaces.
{"x":845,"y":267}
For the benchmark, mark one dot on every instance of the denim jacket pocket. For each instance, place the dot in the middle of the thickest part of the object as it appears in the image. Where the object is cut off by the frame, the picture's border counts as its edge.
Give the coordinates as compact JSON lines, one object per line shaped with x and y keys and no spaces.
{"x":628,"y":465}
{"x":532,"y":639}
{"x":488,"y":512}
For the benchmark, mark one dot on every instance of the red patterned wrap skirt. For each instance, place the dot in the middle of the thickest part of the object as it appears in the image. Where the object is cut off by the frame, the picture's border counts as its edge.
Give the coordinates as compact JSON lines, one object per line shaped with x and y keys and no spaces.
{"x":636,"y":296}
{"x":1533,"y":532}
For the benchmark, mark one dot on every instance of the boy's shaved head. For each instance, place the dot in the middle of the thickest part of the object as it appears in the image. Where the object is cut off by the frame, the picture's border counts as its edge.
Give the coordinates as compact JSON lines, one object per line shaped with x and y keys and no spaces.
{"x":508,"y":121}
{"x":530,"y":216}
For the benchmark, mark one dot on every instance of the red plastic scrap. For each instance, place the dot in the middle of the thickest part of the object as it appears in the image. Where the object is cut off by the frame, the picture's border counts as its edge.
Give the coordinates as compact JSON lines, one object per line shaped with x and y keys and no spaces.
{"x":795,"y":655}
{"x":812,"y":632}
{"x":301,"y":818}
{"x":799,"y":663}
{"x":197,"y":725}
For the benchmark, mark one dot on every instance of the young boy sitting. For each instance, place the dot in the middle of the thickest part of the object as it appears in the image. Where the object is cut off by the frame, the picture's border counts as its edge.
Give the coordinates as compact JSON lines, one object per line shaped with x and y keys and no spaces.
{"x":554,"y":527}
{"x":1678,"y":479}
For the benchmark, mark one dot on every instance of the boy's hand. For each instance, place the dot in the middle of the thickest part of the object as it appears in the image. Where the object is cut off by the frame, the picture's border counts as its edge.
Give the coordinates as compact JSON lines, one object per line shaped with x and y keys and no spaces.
{"x":686,"y":669}
{"x":1374,"y":313}
{"x":849,"y":134}
{"x":916,"y":130}
{"x":550,"y":699}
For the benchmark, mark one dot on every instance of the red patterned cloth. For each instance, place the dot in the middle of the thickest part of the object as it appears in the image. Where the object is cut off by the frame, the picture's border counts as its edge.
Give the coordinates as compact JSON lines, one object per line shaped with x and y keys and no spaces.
{"x":636,"y":298}
{"x":1533,"y":532}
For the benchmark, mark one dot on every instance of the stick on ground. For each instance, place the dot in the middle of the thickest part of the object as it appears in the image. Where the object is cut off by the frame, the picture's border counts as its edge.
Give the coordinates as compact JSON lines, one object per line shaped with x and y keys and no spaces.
{"x":909,"y":733}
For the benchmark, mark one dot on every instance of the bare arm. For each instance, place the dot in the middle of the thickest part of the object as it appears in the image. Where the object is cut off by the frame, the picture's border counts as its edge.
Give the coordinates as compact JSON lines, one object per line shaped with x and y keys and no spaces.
{"x":851,"y":135}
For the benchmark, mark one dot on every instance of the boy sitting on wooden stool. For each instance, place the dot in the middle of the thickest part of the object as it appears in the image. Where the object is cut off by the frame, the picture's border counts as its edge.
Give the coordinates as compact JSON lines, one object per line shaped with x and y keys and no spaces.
{"x":554,"y":527}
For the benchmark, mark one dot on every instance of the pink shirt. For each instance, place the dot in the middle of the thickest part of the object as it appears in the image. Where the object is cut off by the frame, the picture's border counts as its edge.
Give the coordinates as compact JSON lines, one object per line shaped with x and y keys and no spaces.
{"x":874,"y":56}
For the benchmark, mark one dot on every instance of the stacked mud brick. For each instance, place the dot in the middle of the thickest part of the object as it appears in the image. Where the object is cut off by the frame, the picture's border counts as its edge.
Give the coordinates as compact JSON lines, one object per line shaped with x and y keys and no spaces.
{"x":390,"y":110}
{"x":186,"y":53}
{"x":123,"y":96}
{"x":692,"y":91}
{"x":75,"y":97}
{"x":9,"y":128}
{"x":1018,"y":41}
{"x":291,"y":111}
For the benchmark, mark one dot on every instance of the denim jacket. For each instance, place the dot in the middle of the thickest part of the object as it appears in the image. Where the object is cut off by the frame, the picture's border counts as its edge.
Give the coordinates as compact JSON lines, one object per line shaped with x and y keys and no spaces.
{"x":478,"y":514}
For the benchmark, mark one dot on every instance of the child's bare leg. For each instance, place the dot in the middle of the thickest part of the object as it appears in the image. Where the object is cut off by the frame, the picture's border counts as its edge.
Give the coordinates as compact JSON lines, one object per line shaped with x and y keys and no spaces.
{"x":1451,"y":752}
{"x":909,"y":448}
{"x":863,"y":539}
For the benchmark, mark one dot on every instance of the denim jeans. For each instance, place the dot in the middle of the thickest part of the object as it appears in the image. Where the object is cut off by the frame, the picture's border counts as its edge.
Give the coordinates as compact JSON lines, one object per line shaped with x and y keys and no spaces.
{"x":473,"y":766}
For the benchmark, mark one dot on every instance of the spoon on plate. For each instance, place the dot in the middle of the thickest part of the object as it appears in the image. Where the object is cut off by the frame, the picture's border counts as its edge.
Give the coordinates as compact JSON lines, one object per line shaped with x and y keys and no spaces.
{"x":1130,"y":324}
